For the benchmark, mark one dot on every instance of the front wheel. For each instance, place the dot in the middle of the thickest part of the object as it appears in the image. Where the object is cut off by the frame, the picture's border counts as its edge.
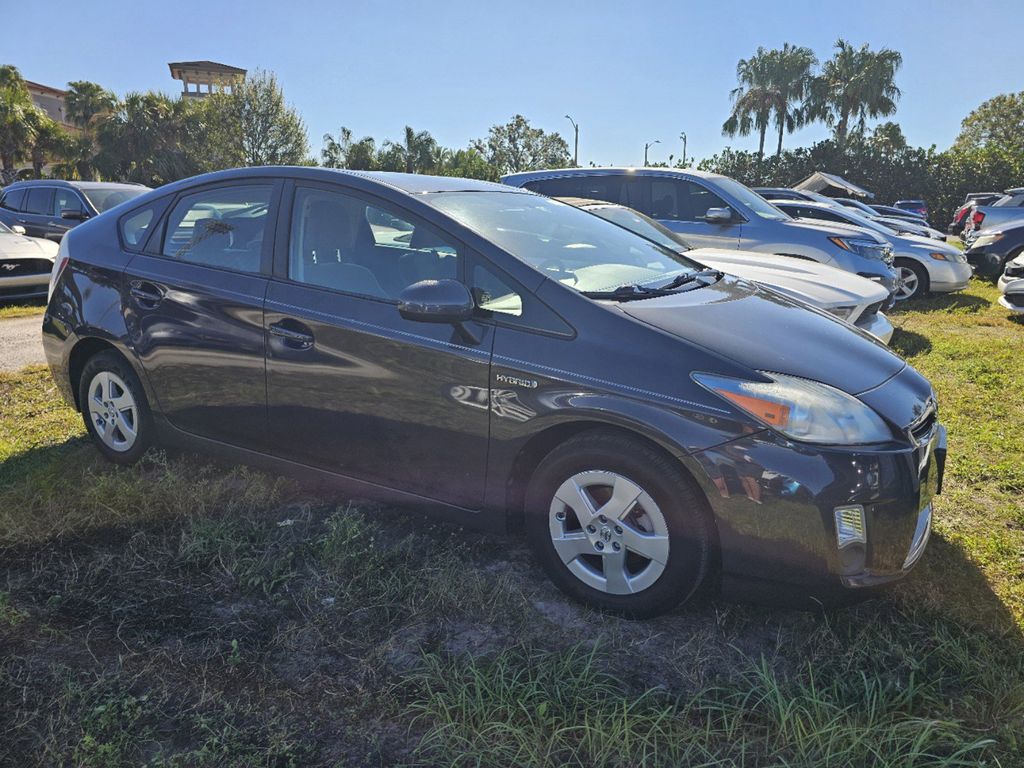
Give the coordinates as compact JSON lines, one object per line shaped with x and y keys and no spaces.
{"x":911,"y":280}
{"x":114,"y":408}
{"x":618,"y":525}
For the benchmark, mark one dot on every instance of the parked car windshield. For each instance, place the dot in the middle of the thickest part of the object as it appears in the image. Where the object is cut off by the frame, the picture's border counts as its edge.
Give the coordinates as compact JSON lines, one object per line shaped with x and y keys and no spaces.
{"x":750,"y":200}
{"x":579,"y":250}
{"x":641,"y":225}
{"x":104,"y":198}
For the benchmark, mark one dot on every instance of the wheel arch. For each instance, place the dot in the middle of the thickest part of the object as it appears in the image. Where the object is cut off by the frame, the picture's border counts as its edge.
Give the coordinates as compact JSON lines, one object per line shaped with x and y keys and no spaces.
{"x":87,"y":348}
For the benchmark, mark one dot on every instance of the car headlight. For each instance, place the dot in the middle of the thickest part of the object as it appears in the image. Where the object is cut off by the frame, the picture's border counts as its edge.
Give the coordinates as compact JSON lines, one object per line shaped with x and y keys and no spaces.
{"x":989,"y":239}
{"x":843,"y":313}
{"x":869,"y":249}
{"x":801,"y":409}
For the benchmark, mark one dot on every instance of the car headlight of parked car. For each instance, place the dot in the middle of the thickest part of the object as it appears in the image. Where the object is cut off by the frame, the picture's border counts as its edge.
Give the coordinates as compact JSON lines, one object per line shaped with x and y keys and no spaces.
{"x":989,"y":239}
{"x":801,"y":409}
{"x":843,"y":313}
{"x":869,"y":249}
{"x":950,"y":256}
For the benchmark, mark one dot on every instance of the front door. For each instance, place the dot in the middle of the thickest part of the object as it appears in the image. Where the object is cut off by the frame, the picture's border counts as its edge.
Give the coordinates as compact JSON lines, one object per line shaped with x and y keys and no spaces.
{"x":352,"y":387}
{"x":682,"y":206}
{"x":194,"y":310}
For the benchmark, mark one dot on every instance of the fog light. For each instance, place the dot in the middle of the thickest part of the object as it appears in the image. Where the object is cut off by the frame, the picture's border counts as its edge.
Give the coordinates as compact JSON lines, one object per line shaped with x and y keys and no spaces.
{"x":850,"y":528}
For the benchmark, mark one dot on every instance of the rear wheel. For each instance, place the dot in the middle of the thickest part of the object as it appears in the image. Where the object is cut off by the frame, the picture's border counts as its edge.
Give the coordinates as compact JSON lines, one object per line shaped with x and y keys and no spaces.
{"x":912,"y":280}
{"x":114,"y":408}
{"x":618,"y":525}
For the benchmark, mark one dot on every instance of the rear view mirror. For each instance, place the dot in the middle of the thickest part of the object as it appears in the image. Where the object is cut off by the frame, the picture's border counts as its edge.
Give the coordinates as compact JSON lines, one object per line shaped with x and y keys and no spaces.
{"x":436,"y":301}
{"x":18,"y":229}
{"x":718,"y":216}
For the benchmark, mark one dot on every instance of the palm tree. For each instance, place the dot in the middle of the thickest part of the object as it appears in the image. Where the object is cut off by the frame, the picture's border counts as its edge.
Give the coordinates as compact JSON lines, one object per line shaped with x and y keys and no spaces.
{"x":48,"y":142}
{"x":416,"y":151}
{"x":791,"y":76}
{"x":88,"y":102}
{"x":18,"y":120}
{"x":855,"y":84}
{"x":753,"y":99}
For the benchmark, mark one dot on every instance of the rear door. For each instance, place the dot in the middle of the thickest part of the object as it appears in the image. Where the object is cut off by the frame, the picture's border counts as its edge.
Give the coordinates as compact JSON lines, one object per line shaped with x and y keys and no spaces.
{"x":354,"y":388}
{"x":682,"y":206}
{"x":194,"y":308}
{"x":37,"y":213}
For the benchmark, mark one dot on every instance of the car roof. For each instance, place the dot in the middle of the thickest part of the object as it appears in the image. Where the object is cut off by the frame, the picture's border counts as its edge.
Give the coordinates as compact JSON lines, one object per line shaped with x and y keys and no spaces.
{"x":76,"y":184}
{"x":587,"y":202}
{"x":514,"y":178}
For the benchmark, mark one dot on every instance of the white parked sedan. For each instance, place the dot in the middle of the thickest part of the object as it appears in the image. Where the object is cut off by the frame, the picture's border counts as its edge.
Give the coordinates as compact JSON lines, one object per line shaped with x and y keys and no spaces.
{"x":25,"y":264}
{"x":852,"y":298}
{"x":1011,"y":285}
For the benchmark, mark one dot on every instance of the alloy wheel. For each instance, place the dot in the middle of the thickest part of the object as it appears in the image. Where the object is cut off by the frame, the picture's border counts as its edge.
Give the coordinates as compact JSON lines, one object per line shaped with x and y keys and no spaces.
{"x":907,"y":283}
{"x":113,"y":411}
{"x":609,"y":532}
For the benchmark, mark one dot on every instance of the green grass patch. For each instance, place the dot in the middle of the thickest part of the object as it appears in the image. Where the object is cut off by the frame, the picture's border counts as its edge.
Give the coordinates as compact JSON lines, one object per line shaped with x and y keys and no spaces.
{"x":24,"y":309}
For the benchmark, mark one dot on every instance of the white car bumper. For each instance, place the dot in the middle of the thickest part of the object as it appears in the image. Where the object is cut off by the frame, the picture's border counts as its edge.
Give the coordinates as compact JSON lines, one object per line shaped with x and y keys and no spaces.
{"x":877,"y":325}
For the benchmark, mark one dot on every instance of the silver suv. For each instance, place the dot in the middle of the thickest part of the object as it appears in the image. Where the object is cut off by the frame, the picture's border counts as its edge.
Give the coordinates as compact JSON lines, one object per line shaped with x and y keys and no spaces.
{"x":712,"y":211}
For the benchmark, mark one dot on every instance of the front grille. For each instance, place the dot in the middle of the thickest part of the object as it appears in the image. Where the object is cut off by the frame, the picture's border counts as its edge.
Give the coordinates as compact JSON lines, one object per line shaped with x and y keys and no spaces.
{"x":22,"y":267}
{"x":1017,"y":299}
{"x":23,"y":291}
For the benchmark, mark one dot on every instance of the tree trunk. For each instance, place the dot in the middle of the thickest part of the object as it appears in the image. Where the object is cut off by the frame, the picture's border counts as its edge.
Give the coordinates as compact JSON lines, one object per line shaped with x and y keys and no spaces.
{"x":760,"y":146}
{"x":782,"y":126}
{"x":842,"y":128}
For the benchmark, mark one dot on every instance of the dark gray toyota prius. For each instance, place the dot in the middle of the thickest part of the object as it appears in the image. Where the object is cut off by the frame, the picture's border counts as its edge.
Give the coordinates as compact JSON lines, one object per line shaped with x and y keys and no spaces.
{"x":501,"y":357}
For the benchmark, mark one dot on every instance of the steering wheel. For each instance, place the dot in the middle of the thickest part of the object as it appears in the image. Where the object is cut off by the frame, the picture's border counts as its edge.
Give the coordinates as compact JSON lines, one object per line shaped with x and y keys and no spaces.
{"x":558,"y":268}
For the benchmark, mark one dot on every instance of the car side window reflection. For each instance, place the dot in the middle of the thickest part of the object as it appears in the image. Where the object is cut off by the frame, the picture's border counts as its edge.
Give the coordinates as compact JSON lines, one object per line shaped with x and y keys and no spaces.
{"x":493,"y":294}
{"x":341,"y":241}
{"x":682,"y":200}
{"x":221,"y":227}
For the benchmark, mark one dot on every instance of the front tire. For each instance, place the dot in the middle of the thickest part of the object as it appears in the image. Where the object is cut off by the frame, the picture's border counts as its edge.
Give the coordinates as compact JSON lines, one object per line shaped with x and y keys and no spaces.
{"x":114,"y":408}
{"x":913,"y":277}
{"x":618,"y":525}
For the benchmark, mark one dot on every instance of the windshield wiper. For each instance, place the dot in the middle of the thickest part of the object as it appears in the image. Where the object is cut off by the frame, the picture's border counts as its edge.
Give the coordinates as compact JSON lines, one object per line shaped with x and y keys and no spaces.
{"x":704,"y":276}
{"x":624,"y":293}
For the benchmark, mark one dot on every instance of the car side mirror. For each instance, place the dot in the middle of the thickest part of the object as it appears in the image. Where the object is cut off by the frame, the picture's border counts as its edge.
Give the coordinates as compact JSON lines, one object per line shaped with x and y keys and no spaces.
{"x":18,"y":229}
{"x":436,"y":301}
{"x":74,"y":215}
{"x":718,"y":216}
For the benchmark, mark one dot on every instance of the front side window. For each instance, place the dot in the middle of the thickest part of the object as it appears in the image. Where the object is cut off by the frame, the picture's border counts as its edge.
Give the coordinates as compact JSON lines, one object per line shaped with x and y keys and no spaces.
{"x":572,"y":246}
{"x":342,"y":241}
{"x":65,"y":200}
{"x":220,"y":227}
{"x":39,"y":201}
{"x":681,"y":200}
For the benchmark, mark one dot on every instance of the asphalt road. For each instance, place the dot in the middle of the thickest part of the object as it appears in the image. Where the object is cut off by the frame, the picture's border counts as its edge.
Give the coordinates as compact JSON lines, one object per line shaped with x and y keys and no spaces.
{"x":21,"y":342}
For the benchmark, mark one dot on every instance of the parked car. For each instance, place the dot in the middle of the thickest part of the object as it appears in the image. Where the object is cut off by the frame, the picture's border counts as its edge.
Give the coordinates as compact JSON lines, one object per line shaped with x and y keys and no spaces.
{"x":920,"y":207}
{"x":25,"y":264}
{"x":849,"y":297}
{"x":49,"y":208}
{"x":899,"y":213}
{"x":787,"y":193}
{"x":1011,"y":285}
{"x":1009,"y":207}
{"x":907,"y":227}
{"x":991,"y":251}
{"x":506,"y":358}
{"x":924,"y":265}
{"x":956,"y":226}
{"x":712,"y":211}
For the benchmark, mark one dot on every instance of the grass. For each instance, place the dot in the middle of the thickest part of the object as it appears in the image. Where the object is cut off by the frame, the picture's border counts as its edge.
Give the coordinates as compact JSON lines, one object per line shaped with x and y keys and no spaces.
{"x":183,"y":613}
{"x":21,"y":309}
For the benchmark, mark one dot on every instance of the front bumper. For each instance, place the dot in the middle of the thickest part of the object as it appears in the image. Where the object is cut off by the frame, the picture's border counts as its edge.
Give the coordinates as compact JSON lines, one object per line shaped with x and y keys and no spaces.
{"x":948,"y":276}
{"x":775,"y":503}
{"x":877,"y":325}
{"x":23,"y":286}
{"x":986,"y":261}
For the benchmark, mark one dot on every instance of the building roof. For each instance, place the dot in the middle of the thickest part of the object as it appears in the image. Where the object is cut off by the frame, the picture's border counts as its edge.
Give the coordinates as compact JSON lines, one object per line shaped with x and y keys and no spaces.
{"x":819,"y":182}
{"x":206,"y":66}
{"x":44,"y":88}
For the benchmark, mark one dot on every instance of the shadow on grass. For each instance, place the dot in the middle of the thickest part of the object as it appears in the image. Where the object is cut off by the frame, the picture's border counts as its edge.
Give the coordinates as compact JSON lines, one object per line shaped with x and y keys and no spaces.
{"x":910,"y":343}
{"x":943,"y":302}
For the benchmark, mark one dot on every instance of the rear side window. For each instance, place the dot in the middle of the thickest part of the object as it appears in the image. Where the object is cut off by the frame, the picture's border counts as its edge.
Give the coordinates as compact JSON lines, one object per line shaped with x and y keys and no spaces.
{"x":13,"y":200}
{"x":222,"y":227}
{"x":39,"y":201}
{"x":607,"y":188}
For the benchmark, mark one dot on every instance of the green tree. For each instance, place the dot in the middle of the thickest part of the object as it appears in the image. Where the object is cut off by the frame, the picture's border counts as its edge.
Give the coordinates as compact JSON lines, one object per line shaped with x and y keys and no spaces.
{"x":415,"y":152}
{"x":48,"y":142}
{"x":790,"y":74}
{"x":87,"y":102}
{"x":854,"y":85}
{"x":253,"y":125}
{"x":754,"y":99}
{"x":342,"y":152}
{"x":998,"y":123}
{"x":18,"y":120}
{"x":518,"y":146}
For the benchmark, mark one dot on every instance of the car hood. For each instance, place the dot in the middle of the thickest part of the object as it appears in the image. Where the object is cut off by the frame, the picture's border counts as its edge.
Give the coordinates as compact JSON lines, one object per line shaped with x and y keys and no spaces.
{"x":21,"y":247}
{"x":831,"y":229}
{"x":762,"y":330}
{"x":809,"y":281}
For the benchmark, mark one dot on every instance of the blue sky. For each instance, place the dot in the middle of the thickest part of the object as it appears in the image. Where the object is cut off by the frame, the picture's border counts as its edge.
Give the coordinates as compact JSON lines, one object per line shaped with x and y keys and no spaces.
{"x":628,"y":72}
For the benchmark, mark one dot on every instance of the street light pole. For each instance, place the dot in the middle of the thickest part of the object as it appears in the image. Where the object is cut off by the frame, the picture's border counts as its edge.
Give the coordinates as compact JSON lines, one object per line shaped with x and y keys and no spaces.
{"x":576,"y":143}
{"x":683,"y":137}
{"x":647,"y":146}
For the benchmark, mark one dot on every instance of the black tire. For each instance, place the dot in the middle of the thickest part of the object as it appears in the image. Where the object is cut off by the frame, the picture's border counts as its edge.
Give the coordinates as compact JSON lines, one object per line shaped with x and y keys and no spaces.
{"x":112,"y":362}
{"x":682,"y":504}
{"x":923,"y":281}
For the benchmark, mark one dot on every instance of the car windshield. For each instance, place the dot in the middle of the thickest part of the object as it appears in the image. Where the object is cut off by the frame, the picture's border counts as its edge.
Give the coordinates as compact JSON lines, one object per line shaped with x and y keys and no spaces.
{"x":104,"y":198}
{"x":855,"y":218}
{"x":642,"y":225}
{"x":750,"y":200}
{"x":859,"y":206}
{"x":579,"y":250}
